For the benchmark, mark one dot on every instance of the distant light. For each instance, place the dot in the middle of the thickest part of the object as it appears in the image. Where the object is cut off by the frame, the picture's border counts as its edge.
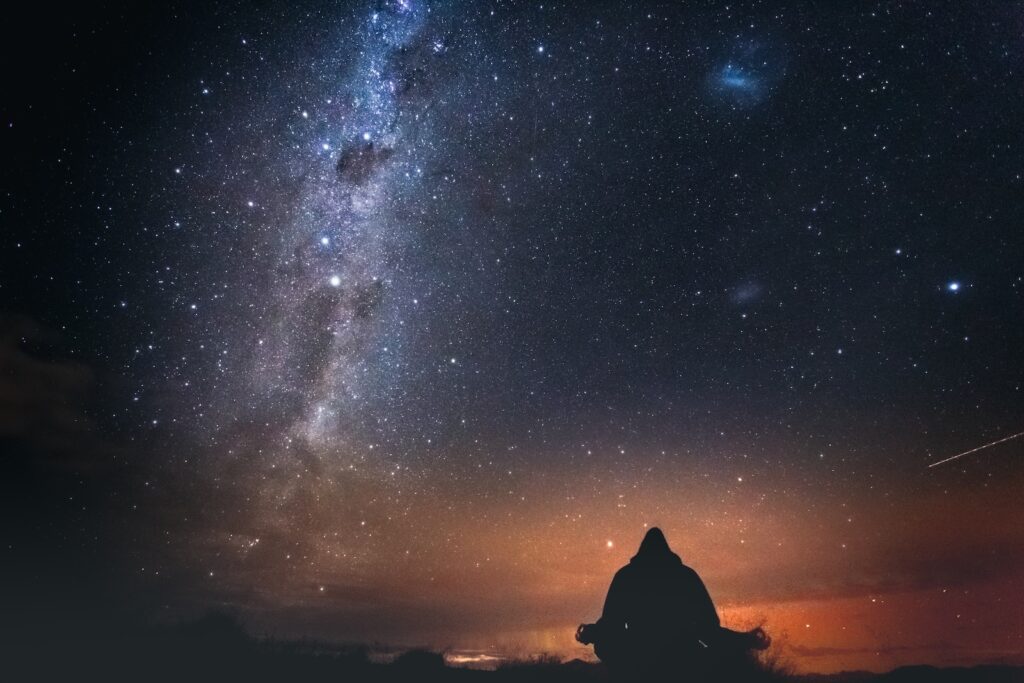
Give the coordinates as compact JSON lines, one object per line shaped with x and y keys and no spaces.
{"x":609,"y":544}
{"x":366,"y":136}
{"x":325,"y":146}
{"x":953,"y":286}
{"x":335,"y":281}
{"x":325,"y":241}
{"x":305,"y":114}
{"x":540,"y":49}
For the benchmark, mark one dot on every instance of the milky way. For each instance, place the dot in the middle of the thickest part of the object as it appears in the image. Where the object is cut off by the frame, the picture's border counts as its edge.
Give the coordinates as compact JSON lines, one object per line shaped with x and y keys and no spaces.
{"x":405,"y":319}
{"x":333,"y":292}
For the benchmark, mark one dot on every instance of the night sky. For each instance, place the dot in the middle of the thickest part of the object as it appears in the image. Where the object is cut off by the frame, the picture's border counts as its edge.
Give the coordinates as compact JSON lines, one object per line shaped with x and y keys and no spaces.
{"x":401,"y":321}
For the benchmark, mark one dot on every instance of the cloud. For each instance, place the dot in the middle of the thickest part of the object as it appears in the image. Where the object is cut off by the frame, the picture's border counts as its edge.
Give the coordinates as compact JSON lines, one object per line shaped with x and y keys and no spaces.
{"x":746,"y":293}
{"x":43,"y":399}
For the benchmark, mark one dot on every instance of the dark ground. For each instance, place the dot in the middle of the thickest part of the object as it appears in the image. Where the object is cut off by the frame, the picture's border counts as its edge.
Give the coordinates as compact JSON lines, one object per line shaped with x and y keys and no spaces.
{"x":217,"y":648}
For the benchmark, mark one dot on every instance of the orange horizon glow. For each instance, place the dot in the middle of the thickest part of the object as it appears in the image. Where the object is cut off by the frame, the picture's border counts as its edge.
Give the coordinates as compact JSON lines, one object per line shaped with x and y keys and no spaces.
{"x":841,"y":580}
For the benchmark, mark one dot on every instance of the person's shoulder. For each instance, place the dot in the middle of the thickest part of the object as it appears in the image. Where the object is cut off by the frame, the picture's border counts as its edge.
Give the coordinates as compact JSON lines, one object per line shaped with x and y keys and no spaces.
{"x":624,"y":572}
{"x":688,"y":571}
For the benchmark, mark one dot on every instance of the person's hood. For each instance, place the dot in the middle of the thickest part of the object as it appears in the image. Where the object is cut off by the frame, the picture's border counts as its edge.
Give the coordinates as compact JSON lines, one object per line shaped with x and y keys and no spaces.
{"x":654,"y":550}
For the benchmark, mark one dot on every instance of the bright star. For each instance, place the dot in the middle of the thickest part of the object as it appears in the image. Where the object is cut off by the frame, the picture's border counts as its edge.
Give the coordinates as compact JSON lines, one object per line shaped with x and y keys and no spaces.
{"x":335,"y":281}
{"x":953,"y":286}
{"x":325,"y":241}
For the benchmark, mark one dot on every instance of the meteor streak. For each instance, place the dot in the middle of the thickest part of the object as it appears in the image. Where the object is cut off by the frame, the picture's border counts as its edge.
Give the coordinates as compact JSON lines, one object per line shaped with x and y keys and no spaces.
{"x":975,"y":450}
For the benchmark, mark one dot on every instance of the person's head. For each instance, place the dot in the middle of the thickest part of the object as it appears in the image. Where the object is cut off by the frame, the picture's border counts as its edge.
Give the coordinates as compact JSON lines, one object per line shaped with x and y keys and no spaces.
{"x":654,"y":543}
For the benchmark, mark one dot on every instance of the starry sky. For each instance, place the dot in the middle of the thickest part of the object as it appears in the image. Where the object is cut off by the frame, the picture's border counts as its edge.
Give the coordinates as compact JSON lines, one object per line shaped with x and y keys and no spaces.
{"x":400,"y":321}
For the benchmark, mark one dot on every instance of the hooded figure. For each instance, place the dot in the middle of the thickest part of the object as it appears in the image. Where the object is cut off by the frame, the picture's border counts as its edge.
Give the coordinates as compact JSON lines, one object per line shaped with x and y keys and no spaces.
{"x":658,"y":616}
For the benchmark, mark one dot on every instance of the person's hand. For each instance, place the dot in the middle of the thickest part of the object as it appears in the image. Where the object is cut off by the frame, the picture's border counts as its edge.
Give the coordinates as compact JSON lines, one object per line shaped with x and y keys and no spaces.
{"x":760,"y":639}
{"x":585,"y":633}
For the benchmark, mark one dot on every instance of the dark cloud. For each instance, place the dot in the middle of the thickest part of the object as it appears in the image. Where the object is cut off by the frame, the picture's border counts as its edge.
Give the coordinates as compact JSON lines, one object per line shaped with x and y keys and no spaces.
{"x":419,"y":67}
{"x":358,"y":164}
{"x":43,"y":399}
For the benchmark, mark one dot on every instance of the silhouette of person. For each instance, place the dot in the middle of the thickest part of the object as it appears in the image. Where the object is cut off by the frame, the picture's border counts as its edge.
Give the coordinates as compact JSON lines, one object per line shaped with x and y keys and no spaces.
{"x":658,"y":617}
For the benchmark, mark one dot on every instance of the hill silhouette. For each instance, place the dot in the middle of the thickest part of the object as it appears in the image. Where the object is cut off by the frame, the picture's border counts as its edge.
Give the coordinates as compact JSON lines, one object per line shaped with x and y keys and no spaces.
{"x":217,"y":648}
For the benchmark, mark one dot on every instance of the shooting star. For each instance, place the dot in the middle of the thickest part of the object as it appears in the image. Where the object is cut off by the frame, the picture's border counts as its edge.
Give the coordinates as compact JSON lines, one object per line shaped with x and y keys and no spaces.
{"x":979,"y":448}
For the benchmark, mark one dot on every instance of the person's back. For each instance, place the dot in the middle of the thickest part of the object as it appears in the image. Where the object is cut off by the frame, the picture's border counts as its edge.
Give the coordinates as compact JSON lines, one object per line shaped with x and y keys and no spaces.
{"x":657,"y":612}
{"x":659,"y":622}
